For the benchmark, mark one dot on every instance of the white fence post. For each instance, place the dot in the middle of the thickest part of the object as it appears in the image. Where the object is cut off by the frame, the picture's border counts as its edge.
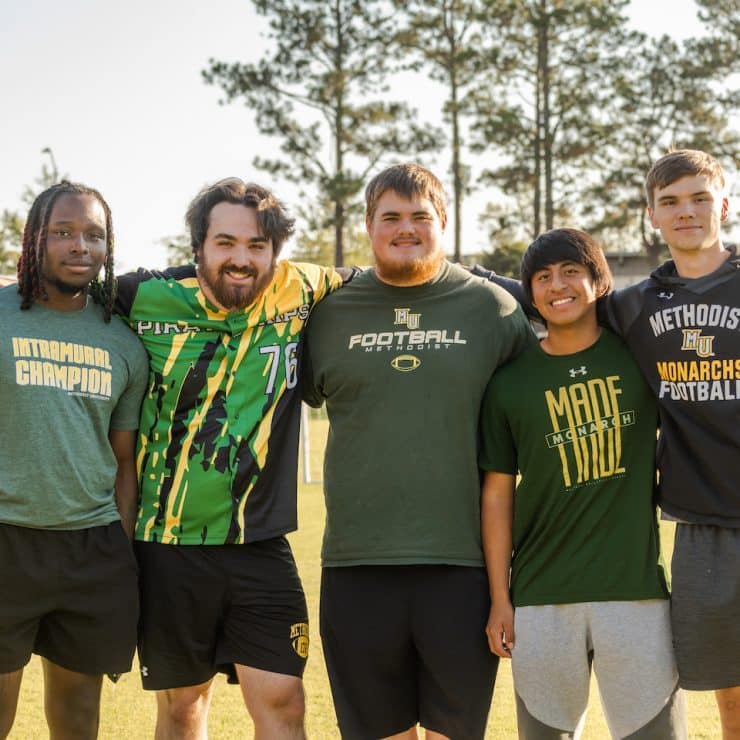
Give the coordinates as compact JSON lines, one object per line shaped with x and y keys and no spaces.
{"x":305,"y":444}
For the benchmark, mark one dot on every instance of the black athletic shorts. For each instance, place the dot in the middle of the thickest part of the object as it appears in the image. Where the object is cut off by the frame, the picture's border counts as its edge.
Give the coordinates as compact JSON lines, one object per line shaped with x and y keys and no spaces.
{"x":406,"y":644}
{"x":206,"y":607}
{"x":68,"y":595}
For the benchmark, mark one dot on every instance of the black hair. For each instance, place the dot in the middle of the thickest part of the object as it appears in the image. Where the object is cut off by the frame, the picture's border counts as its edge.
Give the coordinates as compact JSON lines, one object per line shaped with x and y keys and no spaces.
{"x":33,"y":249}
{"x":565,"y":245}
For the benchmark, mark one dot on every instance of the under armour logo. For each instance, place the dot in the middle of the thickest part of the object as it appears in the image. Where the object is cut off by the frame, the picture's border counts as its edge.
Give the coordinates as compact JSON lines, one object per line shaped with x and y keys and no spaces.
{"x":144,"y":671}
{"x":665,"y":296}
{"x":577,"y":371}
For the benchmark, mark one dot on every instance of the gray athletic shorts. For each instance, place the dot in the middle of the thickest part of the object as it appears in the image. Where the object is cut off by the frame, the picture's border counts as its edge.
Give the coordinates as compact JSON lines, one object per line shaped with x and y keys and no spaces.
{"x":629,"y":645}
{"x":705,"y":610}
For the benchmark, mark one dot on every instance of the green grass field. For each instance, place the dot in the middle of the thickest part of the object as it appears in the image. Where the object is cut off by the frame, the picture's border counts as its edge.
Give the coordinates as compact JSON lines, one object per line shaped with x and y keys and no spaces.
{"x":129,"y":714}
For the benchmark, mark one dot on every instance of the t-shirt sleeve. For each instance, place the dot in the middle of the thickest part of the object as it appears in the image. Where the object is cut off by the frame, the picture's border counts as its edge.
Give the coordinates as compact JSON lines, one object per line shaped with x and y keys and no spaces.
{"x":126,"y":286}
{"x":324,"y":280}
{"x":310,"y":392}
{"x":526,"y":337}
{"x":619,"y":310}
{"x":520,"y":334}
{"x":497,"y":450}
{"x":125,"y":416}
{"x":606,"y":313}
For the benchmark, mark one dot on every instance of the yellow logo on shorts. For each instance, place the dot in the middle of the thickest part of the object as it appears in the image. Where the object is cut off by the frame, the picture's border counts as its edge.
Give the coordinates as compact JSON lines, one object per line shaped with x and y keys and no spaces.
{"x":299,"y":638}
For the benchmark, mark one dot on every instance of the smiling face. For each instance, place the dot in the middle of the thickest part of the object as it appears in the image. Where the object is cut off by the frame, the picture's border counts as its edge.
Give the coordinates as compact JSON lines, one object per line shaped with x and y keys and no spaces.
{"x":236,"y":261}
{"x":76,"y":244}
{"x":565,"y":295}
{"x":406,"y":236}
{"x":689,"y":213}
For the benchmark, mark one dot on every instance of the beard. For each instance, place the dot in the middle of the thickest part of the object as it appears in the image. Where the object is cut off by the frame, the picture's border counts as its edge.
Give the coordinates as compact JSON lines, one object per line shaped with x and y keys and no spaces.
{"x":65,"y":288}
{"x":410,"y":272}
{"x":229,"y":296}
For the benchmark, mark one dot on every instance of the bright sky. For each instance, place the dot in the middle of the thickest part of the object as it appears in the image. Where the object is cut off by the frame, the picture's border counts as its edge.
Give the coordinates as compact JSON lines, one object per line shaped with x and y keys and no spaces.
{"x":115,"y":90}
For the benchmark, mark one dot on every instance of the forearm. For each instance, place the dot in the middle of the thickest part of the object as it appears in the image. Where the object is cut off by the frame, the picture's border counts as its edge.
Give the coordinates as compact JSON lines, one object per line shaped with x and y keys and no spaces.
{"x":127,"y":497}
{"x":127,"y":484}
{"x":497,"y":508}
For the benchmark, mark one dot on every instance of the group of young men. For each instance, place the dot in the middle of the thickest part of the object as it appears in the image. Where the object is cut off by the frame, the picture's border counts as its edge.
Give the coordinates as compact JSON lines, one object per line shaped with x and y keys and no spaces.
{"x":432,"y":569}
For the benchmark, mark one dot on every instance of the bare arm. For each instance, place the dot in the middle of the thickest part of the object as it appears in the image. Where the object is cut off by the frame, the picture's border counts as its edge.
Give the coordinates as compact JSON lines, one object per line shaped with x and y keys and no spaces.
{"x":127,"y":485}
{"x":497,"y":517}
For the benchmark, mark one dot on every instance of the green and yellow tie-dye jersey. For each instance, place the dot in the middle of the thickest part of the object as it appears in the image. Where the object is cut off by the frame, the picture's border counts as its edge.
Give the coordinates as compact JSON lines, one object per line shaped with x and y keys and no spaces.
{"x":218,"y":442}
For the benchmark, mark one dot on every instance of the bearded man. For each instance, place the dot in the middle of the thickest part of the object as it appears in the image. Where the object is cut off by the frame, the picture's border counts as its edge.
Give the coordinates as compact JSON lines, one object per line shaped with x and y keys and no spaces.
{"x":402,"y":357}
{"x":217,"y":463}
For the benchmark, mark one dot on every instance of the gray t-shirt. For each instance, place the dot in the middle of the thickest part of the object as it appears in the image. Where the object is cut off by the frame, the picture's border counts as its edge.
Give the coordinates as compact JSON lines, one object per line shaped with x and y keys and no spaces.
{"x":66,"y":379}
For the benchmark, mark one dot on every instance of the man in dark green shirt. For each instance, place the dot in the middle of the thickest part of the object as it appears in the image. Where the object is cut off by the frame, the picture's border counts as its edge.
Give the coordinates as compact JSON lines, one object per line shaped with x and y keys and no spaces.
{"x":402,"y":356}
{"x":574,"y":417}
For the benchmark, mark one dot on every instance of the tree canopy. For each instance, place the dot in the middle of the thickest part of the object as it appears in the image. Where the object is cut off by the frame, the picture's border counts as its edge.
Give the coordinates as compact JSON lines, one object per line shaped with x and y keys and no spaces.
{"x":322,"y":91}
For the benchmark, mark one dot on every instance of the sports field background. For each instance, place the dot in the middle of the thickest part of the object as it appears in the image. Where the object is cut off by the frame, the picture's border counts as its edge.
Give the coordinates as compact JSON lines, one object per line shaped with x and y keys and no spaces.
{"x":128,"y":713}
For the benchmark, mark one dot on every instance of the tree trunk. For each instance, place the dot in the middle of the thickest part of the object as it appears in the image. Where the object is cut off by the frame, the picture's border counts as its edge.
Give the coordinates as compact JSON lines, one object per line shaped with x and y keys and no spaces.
{"x":456,"y":167}
{"x":537,"y":200}
{"x":546,"y":131}
{"x":651,"y":243}
{"x":338,"y":233}
{"x":339,"y":189}
{"x":448,"y":18}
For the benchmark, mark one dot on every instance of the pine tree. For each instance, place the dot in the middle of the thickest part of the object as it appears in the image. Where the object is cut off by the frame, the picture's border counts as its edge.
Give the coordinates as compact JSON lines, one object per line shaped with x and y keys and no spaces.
{"x":329,"y":63}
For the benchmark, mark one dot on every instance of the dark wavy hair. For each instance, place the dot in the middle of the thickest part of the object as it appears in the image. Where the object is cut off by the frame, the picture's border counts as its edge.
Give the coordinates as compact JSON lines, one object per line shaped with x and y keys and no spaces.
{"x":272,"y":217}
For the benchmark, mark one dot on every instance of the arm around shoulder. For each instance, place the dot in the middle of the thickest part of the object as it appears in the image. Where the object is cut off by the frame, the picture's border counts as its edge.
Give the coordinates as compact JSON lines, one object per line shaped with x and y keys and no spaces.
{"x":619,"y":309}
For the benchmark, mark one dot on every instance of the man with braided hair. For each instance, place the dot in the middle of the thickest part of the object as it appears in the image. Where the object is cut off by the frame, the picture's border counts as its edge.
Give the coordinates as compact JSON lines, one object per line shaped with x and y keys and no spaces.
{"x":67,"y":569}
{"x":218,"y":464}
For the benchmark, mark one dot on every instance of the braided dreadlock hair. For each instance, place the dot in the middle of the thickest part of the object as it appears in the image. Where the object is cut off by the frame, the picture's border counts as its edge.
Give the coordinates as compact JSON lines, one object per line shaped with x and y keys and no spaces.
{"x":30,"y":284}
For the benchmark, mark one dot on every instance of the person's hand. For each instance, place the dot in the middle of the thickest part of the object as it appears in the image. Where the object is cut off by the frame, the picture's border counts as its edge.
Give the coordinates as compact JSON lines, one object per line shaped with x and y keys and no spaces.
{"x":500,"y":628}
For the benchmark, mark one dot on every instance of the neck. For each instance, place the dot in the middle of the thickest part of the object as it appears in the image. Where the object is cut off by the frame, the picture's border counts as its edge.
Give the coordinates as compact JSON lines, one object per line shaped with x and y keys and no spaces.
{"x":399,"y":282}
{"x":700,"y":262}
{"x":63,"y":301}
{"x":567,"y":340}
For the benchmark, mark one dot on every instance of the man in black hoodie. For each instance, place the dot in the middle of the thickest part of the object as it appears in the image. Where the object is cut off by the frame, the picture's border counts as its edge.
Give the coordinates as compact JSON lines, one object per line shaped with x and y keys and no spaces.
{"x":683,"y":326}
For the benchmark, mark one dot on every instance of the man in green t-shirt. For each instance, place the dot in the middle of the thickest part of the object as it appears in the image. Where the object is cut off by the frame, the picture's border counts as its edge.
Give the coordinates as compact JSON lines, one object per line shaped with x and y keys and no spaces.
{"x":574,"y":547}
{"x":71,"y":383}
{"x":402,"y":356}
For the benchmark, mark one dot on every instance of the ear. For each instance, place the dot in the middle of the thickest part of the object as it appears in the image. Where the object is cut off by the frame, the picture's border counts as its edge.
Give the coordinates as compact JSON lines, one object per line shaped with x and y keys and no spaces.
{"x":443,"y":222}
{"x":725,"y":210}
{"x":651,"y":213}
